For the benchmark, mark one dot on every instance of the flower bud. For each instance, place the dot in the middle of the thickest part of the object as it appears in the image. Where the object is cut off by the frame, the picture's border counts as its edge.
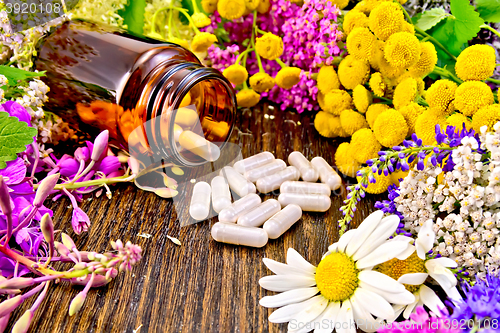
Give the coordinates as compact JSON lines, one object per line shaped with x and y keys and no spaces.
{"x":79,"y":221}
{"x":67,"y":241}
{"x":68,"y":166}
{"x":100,"y":145}
{"x":47,"y":228}
{"x":5,"y":198}
{"x":82,"y":154}
{"x":46,"y":186}
{"x":4,"y":321}
{"x":109,"y":164}
{"x":77,"y":302}
{"x":16,"y":283}
{"x":111,"y":273}
{"x":99,"y":281}
{"x":9,"y":305}
{"x":62,"y":249}
{"x":23,"y":324}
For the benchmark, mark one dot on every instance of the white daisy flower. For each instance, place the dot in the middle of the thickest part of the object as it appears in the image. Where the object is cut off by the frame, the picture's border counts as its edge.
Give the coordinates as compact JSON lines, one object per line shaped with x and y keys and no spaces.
{"x":414,"y":270}
{"x":343,"y":292}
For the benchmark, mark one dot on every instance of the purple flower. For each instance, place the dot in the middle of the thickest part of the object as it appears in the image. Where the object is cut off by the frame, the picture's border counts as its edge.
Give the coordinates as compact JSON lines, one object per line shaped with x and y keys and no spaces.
{"x":80,"y":221}
{"x":7,"y":267}
{"x":421,"y":322}
{"x":109,"y":164}
{"x":82,"y":154}
{"x":15,"y":109}
{"x":14,"y":173}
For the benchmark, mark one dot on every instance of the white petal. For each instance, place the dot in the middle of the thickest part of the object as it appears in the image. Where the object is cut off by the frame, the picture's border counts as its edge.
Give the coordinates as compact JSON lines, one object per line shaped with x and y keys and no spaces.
{"x":304,"y":317}
{"x":383,"y":253}
{"x":288,"y":297}
{"x":446,"y":262}
{"x":345,"y":239}
{"x":284,"y":269}
{"x":333,"y":247}
{"x":430,"y":299}
{"x":387,"y":227}
{"x":409,"y":309}
{"x":363,"y":318}
{"x":346,"y":319}
{"x":327,"y":319}
{"x":293,"y":258}
{"x":454,"y":295}
{"x":443,"y":281}
{"x":364,"y":230}
{"x":441,"y":274}
{"x":286,"y":282}
{"x":425,"y":239}
{"x":406,"y":253}
{"x":398,"y":308}
{"x":284,"y":314}
{"x":401,"y":298}
{"x":374,"y":303}
{"x":403,"y":238}
{"x":381,"y":281}
{"x":413,"y":278}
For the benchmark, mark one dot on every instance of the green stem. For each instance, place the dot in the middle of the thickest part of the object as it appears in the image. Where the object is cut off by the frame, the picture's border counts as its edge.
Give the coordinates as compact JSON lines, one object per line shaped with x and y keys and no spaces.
{"x":485,"y":26}
{"x":188,"y":17}
{"x":242,"y":54}
{"x":170,"y":16}
{"x":260,"y":31}
{"x":435,"y":42}
{"x":493,"y":80}
{"x":252,"y":39}
{"x":195,"y":6}
{"x":407,"y":16}
{"x":153,"y":23}
{"x":88,"y":183}
{"x":281,"y":63}
{"x":446,"y":73}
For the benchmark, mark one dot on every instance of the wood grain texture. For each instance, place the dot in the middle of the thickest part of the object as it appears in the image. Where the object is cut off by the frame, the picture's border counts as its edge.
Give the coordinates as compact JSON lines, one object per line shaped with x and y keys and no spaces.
{"x":201,"y":286}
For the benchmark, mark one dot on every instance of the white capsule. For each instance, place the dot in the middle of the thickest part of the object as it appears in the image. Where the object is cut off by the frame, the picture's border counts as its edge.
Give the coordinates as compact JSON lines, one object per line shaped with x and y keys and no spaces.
{"x":327,"y":175}
{"x":239,"y":235}
{"x":260,"y":214}
{"x":200,"y":201}
{"x":221,"y":196}
{"x":251,"y":188}
{"x":265,"y":170}
{"x":282,"y":221}
{"x":273,"y":182}
{"x":186,"y":117}
{"x":199,"y":145}
{"x":239,"y":207}
{"x":307,"y":171}
{"x":308,"y":202}
{"x":305,"y":188}
{"x":239,"y":184}
{"x":253,"y":162}
{"x":177,"y":132}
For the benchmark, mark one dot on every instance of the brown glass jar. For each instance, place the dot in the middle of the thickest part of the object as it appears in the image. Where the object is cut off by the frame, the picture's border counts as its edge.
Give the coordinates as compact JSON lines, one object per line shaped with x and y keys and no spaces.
{"x":133,"y":86}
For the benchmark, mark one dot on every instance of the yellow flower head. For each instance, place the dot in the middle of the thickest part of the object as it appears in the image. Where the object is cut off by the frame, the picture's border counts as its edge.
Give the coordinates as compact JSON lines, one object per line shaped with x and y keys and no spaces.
{"x":179,"y":41}
{"x":486,"y":116}
{"x":425,"y":127}
{"x":477,"y":62}
{"x":364,"y":145}
{"x":402,"y":50}
{"x":261,"y":82}
{"x":337,"y":101}
{"x":341,"y":4}
{"x":263,"y":6}
{"x":352,"y":121}
{"x":236,"y":73}
{"x":321,"y":100}
{"x":353,"y":72}
{"x":209,"y":6}
{"x":247,"y":98}
{"x":411,"y":112}
{"x":365,"y":7}
{"x":354,"y":19}
{"x":377,"y":54}
{"x":202,"y":41}
{"x":287,"y":77}
{"x":458,"y":120}
{"x":200,"y":20}
{"x":373,"y":112}
{"x":231,"y":9}
{"x":386,"y":19}
{"x":360,"y":43}
{"x":328,"y":125}
{"x":344,"y":160}
{"x":251,"y":5}
{"x":471,"y":96}
{"x":382,"y":183}
{"x":408,"y":27}
{"x":389,"y":71}
{"x":390,"y":128}
{"x":405,"y":93}
{"x":362,"y":98}
{"x":327,"y":79}
{"x":440,"y":96}
{"x":377,"y":84}
{"x":269,"y":46}
{"x":428,"y":60}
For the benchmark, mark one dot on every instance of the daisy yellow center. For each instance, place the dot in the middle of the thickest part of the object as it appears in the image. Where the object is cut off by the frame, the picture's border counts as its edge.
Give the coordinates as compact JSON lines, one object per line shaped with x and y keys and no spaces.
{"x":396,"y":268}
{"x":337,"y":277}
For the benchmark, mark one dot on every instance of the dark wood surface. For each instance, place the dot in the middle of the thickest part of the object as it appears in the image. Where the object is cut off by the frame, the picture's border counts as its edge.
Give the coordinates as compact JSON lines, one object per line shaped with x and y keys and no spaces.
{"x":202,"y":285}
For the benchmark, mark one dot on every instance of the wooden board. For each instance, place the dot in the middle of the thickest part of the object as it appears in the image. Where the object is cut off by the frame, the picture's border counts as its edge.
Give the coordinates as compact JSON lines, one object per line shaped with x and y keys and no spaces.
{"x":201,"y":286}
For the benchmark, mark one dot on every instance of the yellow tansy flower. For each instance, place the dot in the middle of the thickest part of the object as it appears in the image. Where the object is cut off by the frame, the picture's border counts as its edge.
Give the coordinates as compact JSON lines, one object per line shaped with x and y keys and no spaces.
{"x":353,"y":72}
{"x":425,"y":127}
{"x":344,"y":160}
{"x":364,"y":7}
{"x":261,"y":82}
{"x":179,"y":41}
{"x":402,"y":50}
{"x":321,"y":100}
{"x":405,"y":93}
{"x":390,"y":128}
{"x":328,"y":125}
{"x":360,"y":43}
{"x":411,"y":112}
{"x":236,"y":73}
{"x":397,"y":175}
{"x":408,"y":27}
{"x":287,"y":77}
{"x":352,"y":121}
{"x":377,"y":84}
{"x":202,"y":41}
{"x":373,"y":112}
{"x":386,"y":19}
{"x":354,"y":19}
{"x":231,"y":9}
{"x":428,"y":60}
{"x":364,"y":145}
{"x":389,"y":71}
{"x":362,"y":98}
{"x":263,"y":6}
{"x":247,"y":98}
{"x":337,"y":101}
{"x":477,"y":62}
{"x":269,"y":46}
{"x":458,"y":120}
{"x":377,"y":54}
{"x":440,"y":96}
{"x":209,"y":6}
{"x":341,"y":4}
{"x":486,"y":116}
{"x":252,"y":5}
{"x":200,"y":20}
{"x":470,"y":96}
{"x":380,"y":186}
{"x":327,"y":79}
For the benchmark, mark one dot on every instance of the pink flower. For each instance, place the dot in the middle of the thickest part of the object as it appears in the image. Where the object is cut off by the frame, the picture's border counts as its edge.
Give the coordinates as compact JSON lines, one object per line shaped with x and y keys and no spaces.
{"x":80,"y":221}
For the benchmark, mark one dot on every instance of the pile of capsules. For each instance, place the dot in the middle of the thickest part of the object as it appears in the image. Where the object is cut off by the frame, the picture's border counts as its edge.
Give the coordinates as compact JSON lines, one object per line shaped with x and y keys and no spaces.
{"x":240,"y":221}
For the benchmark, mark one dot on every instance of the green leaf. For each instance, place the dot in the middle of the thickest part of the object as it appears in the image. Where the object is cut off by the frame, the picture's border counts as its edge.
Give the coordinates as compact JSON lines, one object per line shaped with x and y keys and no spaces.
{"x":489,"y":10}
{"x":133,"y":15}
{"x":430,"y":18}
{"x":14,"y":136}
{"x":467,"y":20}
{"x":15,"y":74}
